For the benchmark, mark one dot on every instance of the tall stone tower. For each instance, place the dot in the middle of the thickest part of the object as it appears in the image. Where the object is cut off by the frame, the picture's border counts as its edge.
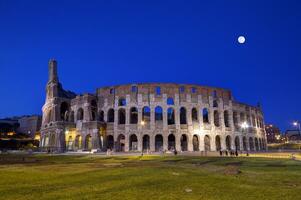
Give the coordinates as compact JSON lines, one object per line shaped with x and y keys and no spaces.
{"x":55,"y":111}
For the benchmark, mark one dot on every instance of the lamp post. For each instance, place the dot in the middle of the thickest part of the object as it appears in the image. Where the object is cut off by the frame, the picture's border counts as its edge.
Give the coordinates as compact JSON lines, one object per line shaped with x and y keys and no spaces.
{"x":297,"y":124}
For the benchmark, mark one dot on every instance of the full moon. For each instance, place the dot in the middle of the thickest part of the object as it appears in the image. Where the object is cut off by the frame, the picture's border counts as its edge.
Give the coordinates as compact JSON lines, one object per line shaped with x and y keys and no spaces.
{"x":241,"y":39}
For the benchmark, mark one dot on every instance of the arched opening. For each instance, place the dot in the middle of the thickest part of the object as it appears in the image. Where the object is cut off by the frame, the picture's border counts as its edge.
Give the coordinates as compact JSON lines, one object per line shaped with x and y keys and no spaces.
{"x":78,"y":142}
{"x":133,"y":143}
{"x":64,"y":111}
{"x":122,"y":102}
{"x":228,"y":143}
{"x":145,"y":143}
{"x":226,"y":118}
{"x":158,"y":143}
{"x":256,"y":144}
{"x":251,"y":144}
{"x":206,"y":116}
{"x":71,"y":117}
{"x":244,"y":143}
{"x":183,"y":142}
{"x":215,"y":104}
{"x":170,"y":101}
{"x":52,"y":140}
{"x":110,"y":142}
{"x":158,"y":114}
{"x":93,"y":110}
{"x":133,"y":115}
{"x":121,"y":116}
{"x":235,"y":119}
{"x":183,"y":117}
{"x":207,"y":143}
{"x":194,"y":115}
{"x":101,"y":116}
{"x":88,"y":142}
{"x":121,"y":143}
{"x":110,"y":115}
{"x":80,"y":114}
{"x":195,"y":143}
{"x":70,"y":143}
{"x":216,"y":118}
{"x":146,"y":114}
{"x":170,"y":116}
{"x":218,"y":143}
{"x":260,"y":144}
{"x":171,"y":142}
{"x":237,"y":144}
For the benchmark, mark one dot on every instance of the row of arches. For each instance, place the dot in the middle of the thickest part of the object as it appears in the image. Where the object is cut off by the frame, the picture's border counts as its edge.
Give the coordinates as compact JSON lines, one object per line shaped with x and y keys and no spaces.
{"x":119,"y":144}
{"x":67,"y":115}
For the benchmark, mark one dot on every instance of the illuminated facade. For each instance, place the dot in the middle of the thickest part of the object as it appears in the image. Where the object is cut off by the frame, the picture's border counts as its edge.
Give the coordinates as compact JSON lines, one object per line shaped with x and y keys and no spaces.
{"x":148,"y":117}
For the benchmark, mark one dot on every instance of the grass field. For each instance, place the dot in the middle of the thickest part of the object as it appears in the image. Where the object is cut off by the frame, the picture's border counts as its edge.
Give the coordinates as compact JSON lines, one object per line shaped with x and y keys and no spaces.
{"x":149,"y":177}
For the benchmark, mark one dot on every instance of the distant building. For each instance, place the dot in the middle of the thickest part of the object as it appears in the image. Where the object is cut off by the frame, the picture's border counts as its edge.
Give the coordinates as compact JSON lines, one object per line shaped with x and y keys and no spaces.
{"x":273,"y":134}
{"x":30,"y":125}
{"x":293,"y":135}
{"x":26,"y":125}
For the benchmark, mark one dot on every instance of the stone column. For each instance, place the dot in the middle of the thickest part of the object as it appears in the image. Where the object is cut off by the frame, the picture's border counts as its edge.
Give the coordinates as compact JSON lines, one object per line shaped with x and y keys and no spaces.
{"x":189,"y":142}
{"x":140,"y":140}
{"x":165,"y":141}
{"x":212,"y":144}
{"x":152,"y":142}
{"x":223,"y":143}
{"x":178,"y":141}
{"x":201,"y":143}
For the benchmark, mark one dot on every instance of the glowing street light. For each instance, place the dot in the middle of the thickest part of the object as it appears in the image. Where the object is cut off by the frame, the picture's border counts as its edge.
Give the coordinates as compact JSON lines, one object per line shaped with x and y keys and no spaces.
{"x":244,"y":125}
{"x":297,"y":124}
{"x":142,"y":122}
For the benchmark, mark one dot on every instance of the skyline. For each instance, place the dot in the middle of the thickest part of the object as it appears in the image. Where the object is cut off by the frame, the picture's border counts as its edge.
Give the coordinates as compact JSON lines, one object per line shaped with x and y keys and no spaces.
{"x":193,"y":43}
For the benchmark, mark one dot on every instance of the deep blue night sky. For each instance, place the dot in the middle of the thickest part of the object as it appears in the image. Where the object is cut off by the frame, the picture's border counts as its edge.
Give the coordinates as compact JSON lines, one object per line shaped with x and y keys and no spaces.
{"x":101,"y":43}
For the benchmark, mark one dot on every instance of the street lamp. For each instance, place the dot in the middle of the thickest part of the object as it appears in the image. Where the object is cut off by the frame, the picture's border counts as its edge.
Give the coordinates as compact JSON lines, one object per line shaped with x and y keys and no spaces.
{"x":297,"y":124}
{"x":244,"y":125}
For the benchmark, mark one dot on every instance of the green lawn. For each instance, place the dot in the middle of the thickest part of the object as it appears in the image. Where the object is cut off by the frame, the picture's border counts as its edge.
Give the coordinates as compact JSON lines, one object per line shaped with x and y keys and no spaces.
{"x":150,"y":177}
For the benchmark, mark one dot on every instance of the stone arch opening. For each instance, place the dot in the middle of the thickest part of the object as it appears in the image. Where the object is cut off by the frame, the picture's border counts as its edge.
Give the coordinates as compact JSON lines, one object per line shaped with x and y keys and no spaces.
{"x":121,"y":102}
{"x":158,"y":114}
{"x":121,"y":116}
{"x":133,"y":115}
{"x":110,"y":142}
{"x":70,"y":143}
{"x":237,"y":143}
{"x":206,"y":116}
{"x":78,"y":142}
{"x":93,"y":110}
{"x":101,"y":116}
{"x":215,"y":103}
{"x":133,"y":143}
{"x":194,"y":115}
{"x":183,"y":141}
{"x":80,"y":114}
{"x":183,"y":116}
{"x":64,"y":111}
{"x":146,"y":114}
{"x":88,"y":142}
{"x":218,"y":143}
{"x":170,"y":116}
{"x":158,"y":143}
{"x":121,"y":143}
{"x":207,"y":143}
{"x":228,"y":142}
{"x":195,"y":143}
{"x":170,"y":101}
{"x":171,"y":142}
{"x":145,"y":143}
{"x":110,"y":117}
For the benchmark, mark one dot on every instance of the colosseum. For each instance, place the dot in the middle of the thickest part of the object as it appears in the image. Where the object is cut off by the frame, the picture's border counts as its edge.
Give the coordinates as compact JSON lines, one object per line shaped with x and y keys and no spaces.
{"x":150,"y":117}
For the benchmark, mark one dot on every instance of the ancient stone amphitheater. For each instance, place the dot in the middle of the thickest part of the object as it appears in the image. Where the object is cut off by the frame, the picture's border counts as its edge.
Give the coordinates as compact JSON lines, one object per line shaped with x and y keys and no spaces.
{"x":148,"y":117}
